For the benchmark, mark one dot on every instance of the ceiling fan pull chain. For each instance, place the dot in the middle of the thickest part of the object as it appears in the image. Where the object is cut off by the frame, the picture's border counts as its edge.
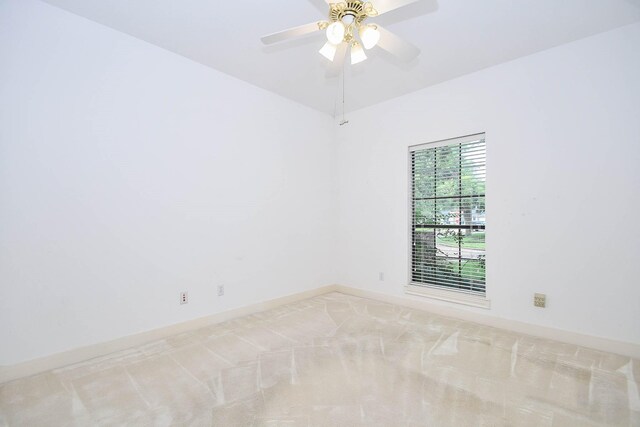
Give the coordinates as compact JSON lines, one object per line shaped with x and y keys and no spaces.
{"x":344,"y":120}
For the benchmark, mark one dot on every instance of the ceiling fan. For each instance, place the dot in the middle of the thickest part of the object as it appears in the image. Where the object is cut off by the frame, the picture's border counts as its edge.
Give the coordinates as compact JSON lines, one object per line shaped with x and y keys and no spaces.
{"x":347,"y":29}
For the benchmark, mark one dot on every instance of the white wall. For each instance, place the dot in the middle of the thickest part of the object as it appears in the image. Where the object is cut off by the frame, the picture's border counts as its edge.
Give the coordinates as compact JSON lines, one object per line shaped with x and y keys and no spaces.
{"x":563,"y":154}
{"x":129,"y":174}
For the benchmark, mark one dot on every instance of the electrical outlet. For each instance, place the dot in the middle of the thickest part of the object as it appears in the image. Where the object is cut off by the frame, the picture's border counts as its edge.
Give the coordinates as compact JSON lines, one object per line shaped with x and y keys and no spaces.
{"x":220,"y":290}
{"x":184,"y":297}
{"x":540,"y":300}
{"x":381,"y":276}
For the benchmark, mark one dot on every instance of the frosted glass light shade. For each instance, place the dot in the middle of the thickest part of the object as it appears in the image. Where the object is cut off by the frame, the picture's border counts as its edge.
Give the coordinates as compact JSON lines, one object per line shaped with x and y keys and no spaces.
{"x":335,"y":32}
{"x":328,"y":51}
{"x":357,"y":53}
{"x":370,"y":36}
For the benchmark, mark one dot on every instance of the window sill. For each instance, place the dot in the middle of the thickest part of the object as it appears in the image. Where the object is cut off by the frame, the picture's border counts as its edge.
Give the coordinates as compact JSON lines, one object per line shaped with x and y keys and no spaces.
{"x":449,"y":296}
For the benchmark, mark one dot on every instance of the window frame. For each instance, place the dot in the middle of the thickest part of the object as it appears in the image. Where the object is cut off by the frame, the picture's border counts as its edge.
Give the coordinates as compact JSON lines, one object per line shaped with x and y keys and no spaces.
{"x":460,"y":296}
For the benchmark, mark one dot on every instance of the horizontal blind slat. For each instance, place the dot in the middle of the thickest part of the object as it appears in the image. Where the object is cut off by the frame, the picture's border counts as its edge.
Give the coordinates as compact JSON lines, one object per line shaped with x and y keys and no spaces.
{"x":448,"y":205}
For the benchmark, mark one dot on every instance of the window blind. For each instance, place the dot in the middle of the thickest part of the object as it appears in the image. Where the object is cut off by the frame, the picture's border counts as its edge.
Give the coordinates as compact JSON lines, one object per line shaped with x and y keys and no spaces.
{"x":448,"y":214}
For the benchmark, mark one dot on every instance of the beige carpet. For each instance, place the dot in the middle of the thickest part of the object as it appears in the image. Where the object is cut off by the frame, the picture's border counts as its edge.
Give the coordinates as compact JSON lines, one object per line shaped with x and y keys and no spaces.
{"x":336,"y":360}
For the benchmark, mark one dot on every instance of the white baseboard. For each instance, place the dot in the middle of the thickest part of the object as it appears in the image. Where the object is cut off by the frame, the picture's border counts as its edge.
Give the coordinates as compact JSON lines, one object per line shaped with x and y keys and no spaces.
{"x":80,"y":354}
{"x":597,"y":343}
{"x":58,"y":360}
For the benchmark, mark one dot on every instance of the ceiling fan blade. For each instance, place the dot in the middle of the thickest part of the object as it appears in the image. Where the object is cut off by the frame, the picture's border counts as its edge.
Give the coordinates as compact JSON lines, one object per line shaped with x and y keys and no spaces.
{"x":291,"y":33}
{"x":397,"y":46}
{"x":384,"y":6}
{"x":321,"y":5}
{"x":336,"y":66}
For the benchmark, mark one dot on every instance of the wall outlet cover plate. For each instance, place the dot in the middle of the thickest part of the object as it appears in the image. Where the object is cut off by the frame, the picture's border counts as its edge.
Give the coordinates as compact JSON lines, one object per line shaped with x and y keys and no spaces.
{"x":540,"y":300}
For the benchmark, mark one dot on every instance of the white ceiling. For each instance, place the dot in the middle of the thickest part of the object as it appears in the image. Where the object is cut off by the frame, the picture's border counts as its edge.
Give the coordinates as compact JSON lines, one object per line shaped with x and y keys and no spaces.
{"x":456,"y":37}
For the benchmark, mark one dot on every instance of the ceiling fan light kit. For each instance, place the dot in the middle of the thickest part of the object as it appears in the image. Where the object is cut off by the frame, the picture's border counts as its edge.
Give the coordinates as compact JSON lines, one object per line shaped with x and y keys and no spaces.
{"x":357,"y":53}
{"x":369,"y":35}
{"x":347,"y":20}
{"x":329,"y":50}
{"x":346,"y":28}
{"x":336,"y":32}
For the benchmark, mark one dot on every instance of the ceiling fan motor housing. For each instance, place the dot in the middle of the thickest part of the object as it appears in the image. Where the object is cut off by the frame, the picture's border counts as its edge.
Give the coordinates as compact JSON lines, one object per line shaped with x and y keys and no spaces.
{"x":357,"y":9}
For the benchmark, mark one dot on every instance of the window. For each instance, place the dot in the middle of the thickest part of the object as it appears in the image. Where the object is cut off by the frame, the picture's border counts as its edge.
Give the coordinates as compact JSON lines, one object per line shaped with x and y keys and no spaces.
{"x":448,"y":218}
